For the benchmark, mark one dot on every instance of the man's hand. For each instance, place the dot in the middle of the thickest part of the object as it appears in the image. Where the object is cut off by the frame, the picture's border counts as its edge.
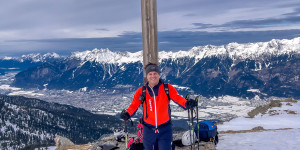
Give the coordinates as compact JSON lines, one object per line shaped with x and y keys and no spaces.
{"x":190,"y":104}
{"x":124,"y":115}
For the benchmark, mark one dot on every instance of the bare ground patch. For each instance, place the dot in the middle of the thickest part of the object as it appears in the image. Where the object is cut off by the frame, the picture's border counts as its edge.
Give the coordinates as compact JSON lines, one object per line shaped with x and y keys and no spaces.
{"x":255,"y":129}
{"x":263,"y":109}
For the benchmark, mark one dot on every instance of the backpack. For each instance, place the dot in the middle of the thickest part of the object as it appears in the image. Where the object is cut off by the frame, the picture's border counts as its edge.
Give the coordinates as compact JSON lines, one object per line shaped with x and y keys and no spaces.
{"x":143,"y":96}
{"x":207,"y":131}
{"x":137,"y":144}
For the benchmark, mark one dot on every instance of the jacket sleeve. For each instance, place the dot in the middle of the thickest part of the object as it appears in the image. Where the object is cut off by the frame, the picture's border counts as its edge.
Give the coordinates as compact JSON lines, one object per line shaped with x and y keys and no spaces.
{"x":135,"y":103}
{"x":176,"y":97}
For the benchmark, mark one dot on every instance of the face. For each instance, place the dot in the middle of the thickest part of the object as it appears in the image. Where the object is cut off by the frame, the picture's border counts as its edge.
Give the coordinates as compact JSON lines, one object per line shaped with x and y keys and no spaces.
{"x":153,"y":78}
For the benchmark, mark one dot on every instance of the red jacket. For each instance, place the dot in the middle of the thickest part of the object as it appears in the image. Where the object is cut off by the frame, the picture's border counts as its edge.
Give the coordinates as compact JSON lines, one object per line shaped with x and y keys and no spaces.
{"x":158,"y":109}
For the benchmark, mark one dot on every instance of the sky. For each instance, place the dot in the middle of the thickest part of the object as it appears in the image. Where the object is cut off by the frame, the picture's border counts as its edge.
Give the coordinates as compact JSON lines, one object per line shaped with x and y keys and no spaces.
{"x":65,"y":26}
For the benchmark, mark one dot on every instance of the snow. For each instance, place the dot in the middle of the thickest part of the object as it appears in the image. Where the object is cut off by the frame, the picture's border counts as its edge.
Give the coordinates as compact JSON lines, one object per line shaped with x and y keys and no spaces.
{"x":233,"y":50}
{"x":8,"y":87}
{"x":25,"y":93}
{"x":255,"y":91}
{"x":267,"y":121}
{"x":7,"y":58}
{"x":48,"y":148}
{"x":37,"y":57}
{"x":181,"y":87}
{"x":219,"y":106}
{"x":34,"y":57}
{"x":14,"y":126}
{"x":3,"y":129}
{"x":283,"y":130}
{"x":18,"y":91}
{"x":107,"y":56}
{"x":84,"y":89}
{"x":267,"y":140}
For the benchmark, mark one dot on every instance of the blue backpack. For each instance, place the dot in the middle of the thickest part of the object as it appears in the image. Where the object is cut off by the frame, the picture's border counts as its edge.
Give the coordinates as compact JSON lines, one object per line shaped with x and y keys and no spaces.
{"x":207,"y":131}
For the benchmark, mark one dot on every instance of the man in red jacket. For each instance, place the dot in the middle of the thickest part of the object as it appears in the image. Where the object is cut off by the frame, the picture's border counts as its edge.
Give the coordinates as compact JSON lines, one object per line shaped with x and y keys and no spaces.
{"x":156,"y":108}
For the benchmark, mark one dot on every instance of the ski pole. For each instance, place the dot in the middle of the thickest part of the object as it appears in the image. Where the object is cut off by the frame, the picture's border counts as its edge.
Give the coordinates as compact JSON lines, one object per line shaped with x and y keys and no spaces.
{"x":126,"y":134}
{"x":192,"y":124}
{"x":197,"y":98}
{"x":189,"y":119}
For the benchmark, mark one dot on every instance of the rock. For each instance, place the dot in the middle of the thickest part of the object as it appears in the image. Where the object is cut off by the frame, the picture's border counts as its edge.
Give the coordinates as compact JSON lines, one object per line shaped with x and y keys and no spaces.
{"x":61,"y":142}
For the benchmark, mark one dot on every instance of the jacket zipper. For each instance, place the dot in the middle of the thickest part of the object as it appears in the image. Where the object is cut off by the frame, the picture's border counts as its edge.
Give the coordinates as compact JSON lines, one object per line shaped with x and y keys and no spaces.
{"x":155,"y":109}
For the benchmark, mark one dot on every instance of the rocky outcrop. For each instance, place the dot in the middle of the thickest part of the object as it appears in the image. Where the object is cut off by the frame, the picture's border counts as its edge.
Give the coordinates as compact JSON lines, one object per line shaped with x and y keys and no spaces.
{"x":109,"y":142}
{"x":62,"y":142}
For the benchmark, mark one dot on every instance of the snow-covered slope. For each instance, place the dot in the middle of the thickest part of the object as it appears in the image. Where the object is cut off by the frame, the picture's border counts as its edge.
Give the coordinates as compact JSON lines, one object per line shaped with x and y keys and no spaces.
{"x":279,"y":129}
{"x":286,"y":116}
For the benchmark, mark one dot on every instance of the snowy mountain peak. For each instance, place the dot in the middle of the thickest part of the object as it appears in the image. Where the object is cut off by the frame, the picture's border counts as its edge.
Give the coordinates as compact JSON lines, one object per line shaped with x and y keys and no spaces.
{"x":7,"y":58}
{"x":233,"y":50}
{"x":239,"y":51}
{"x":37,"y":57}
{"x":249,"y":50}
{"x":107,"y":56}
{"x":34,"y":57}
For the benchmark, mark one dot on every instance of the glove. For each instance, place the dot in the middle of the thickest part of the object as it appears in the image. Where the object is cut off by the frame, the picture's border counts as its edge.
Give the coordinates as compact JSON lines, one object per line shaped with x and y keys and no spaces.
{"x":190,"y":104}
{"x":124,"y":115}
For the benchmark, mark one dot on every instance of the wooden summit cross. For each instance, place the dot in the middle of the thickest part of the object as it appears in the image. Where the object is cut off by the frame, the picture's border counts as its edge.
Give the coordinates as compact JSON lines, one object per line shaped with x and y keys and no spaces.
{"x":149,"y":31}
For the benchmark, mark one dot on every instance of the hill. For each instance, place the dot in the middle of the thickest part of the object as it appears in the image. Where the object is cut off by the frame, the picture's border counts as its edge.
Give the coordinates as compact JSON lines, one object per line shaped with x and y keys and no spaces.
{"x":27,"y":123}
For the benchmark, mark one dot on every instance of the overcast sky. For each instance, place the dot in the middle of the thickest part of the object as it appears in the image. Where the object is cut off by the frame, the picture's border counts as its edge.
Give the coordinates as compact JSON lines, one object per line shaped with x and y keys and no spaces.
{"x":64,"y":26}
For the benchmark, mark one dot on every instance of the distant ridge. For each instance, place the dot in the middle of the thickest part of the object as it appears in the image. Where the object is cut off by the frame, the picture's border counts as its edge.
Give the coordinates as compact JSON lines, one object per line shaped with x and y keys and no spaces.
{"x":233,"y":50}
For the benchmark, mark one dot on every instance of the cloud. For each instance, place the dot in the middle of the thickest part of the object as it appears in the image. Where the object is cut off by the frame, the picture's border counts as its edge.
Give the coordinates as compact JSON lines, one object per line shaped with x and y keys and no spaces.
{"x":34,"y":19}
{"x":284,"y":20}
{"x":132,"y":41}
{"x":295,"y":13}
{"x":242,"y":24}
{"x":204,"y":26}
{"x":103,"y":29}
{"x":66,"y":25}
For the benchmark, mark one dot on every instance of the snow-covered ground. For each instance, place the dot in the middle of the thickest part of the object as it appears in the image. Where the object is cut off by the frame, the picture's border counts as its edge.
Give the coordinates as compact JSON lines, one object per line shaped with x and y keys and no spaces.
{"x":48,"y":148}
{"x":266,"y":140}
{"x":282,"y":130}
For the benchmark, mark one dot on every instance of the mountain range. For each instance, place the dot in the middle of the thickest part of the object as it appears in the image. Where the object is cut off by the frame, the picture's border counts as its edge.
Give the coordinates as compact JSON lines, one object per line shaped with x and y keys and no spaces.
{"x":244,"y":70}
{"x":24,"y":62}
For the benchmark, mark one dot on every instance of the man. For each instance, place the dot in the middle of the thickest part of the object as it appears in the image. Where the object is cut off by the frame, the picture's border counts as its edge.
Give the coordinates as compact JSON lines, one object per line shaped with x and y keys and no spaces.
{"x":156,"y":109}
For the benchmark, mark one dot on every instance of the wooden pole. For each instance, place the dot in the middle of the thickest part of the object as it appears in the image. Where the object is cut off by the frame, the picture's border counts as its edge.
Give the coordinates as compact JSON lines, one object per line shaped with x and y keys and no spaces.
{"x":149,"y":31}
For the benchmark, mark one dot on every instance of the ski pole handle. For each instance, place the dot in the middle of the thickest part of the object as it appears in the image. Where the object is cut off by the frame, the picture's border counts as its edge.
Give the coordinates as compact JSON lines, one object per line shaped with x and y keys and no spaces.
{"x":187,"y":96}
{"x":196,"y":99}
